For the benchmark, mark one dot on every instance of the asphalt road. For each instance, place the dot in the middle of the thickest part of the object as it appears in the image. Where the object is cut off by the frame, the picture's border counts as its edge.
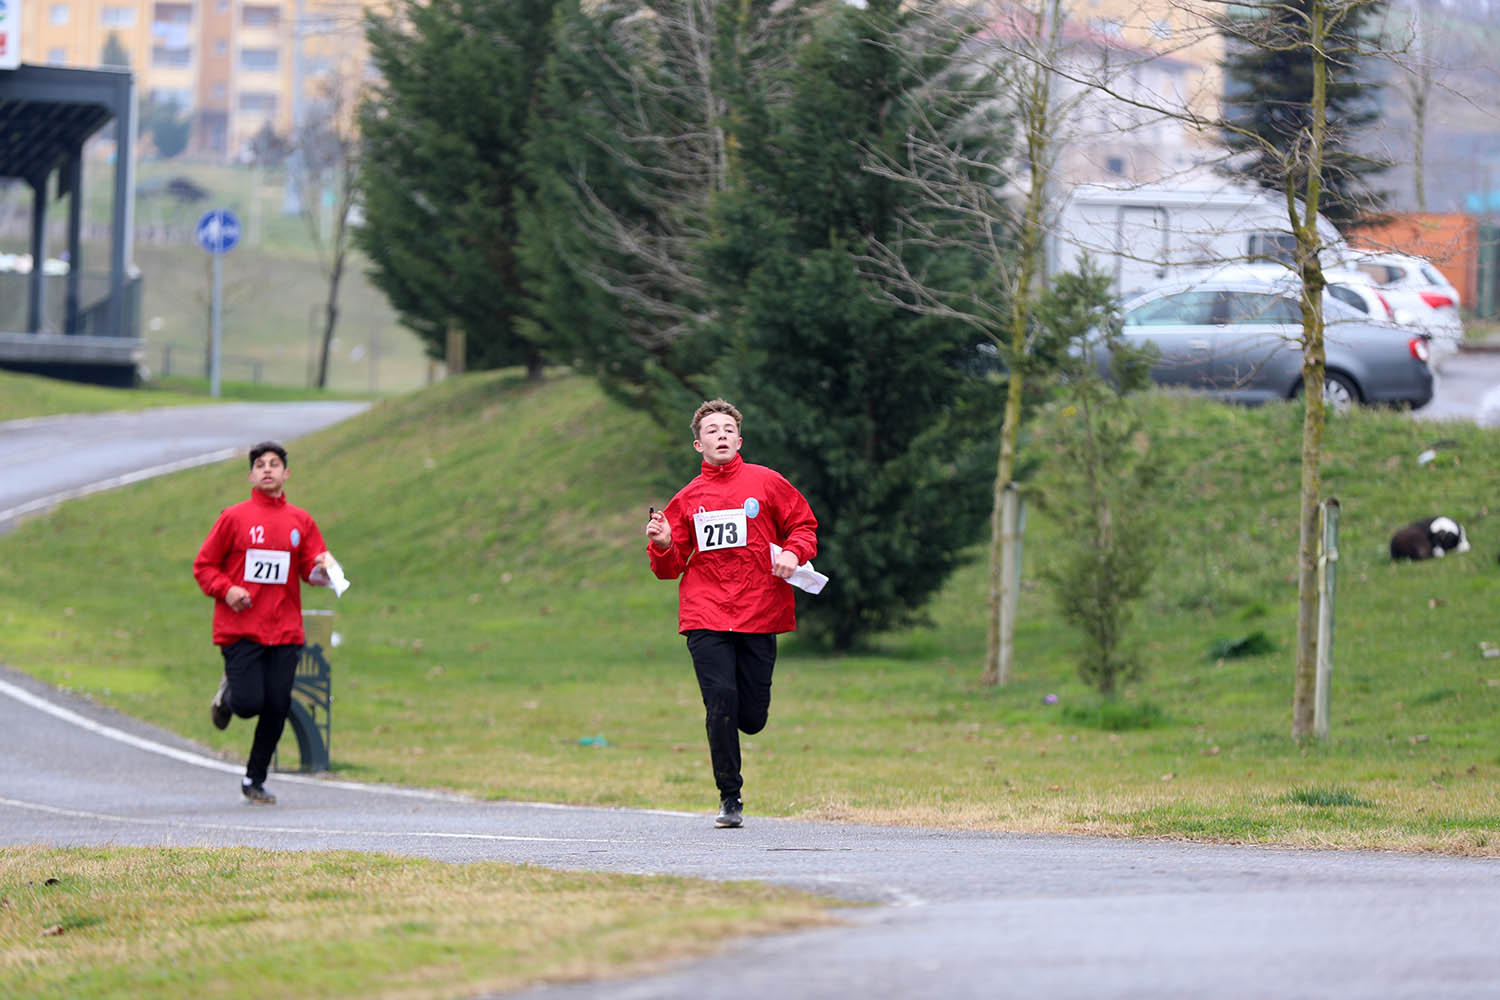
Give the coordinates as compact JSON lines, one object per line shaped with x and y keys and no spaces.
{"x":1468,"y":389}
{"x":961,"y":914}
{"x":51,"y":459}
{"x":957,"y":914}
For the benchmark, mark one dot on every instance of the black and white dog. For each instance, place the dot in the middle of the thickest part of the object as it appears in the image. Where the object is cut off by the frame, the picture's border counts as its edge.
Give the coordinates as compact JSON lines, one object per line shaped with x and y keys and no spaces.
{"x":1435,"y":536}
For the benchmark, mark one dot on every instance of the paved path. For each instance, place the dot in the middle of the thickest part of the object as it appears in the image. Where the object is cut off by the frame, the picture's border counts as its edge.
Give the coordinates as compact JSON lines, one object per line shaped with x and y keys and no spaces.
{"x":51,"y":459}
{"x":964,"y":914}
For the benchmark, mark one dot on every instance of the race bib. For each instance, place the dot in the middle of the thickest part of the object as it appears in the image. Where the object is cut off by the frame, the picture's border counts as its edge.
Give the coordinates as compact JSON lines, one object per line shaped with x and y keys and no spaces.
{"x":267,"y":565}
{"x":720,"y":529}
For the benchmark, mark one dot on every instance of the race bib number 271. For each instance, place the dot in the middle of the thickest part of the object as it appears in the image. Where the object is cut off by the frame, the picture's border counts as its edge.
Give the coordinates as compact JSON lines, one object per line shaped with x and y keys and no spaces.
{"x":720,"y":529}
{"x":267,"y":565}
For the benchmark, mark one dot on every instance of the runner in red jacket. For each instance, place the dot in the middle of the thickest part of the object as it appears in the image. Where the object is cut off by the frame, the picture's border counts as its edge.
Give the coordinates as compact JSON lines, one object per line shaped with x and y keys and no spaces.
{"x":716,"y":534}
{"x":251,"y":564}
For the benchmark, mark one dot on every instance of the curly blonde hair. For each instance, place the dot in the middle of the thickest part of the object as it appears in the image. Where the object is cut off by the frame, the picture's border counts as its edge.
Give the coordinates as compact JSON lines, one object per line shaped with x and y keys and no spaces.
{"x":715,"y":406}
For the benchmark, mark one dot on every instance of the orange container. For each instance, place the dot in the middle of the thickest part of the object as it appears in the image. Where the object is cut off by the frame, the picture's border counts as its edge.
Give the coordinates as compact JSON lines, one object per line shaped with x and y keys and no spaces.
{"x":1450,"y":240}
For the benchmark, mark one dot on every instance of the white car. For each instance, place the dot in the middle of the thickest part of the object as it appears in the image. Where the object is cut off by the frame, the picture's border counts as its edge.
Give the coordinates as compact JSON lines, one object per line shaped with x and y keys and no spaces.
{"x":1353,"y":288}
{"x":1418,"y":294}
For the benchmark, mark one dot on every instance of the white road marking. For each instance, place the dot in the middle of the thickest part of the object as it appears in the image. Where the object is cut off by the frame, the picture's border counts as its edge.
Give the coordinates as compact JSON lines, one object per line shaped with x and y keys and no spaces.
{"x":114,"y":482}
{"x":316,"y":830}
{"x":197,"y":759}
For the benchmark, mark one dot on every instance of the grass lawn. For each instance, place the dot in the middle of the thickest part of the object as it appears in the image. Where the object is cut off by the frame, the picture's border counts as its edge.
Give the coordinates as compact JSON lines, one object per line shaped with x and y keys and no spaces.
{"x":193,"y":923}
{"x":502,"y":610}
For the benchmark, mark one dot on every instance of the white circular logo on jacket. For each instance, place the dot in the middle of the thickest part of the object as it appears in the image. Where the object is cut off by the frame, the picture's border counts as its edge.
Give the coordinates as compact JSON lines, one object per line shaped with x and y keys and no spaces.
{"x":752,"y":507}
{"x":296,"y":538}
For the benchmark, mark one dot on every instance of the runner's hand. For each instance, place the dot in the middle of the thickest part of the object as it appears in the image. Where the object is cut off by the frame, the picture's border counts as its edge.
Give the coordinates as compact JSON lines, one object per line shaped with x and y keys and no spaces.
{"x":238,"y":598}
{"x":785,"y":564}
{"x":658,"y":530}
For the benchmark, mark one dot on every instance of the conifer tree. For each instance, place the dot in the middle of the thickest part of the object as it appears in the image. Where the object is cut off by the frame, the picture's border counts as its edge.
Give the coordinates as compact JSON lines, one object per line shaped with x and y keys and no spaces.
{"x":869,"y":408}
{"x":1269,"y":99}
{"x":444,"y":133}
{"x":631,"y":143}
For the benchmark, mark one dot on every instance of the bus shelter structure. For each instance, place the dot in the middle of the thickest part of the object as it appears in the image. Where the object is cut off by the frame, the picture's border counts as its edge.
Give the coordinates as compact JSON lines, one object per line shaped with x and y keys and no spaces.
{"x":62,"y":314}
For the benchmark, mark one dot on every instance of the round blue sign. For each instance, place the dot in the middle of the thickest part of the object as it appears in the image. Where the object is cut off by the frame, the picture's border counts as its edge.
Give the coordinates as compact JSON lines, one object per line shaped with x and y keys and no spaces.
{"x":218,"y":231}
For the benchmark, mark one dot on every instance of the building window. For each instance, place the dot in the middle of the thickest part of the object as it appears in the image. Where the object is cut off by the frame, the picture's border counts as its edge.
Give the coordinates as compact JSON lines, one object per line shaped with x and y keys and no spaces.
{"x":1115,"y":165}
{"x":117,"y":17}
{"x":258,"y":16}
{"x":173,"y":13}
{"x":171,"y":58}
{"x":258,"y":101}
{"x":1161,"y":30}
{"x":166,"y":96}
{"x":260,"y":60}
{"x":57,"y":57}
{"x":57,"y":14}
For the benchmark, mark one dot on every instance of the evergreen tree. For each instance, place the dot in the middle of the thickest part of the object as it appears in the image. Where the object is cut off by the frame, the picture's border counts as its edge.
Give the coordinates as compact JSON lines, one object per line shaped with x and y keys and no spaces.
{"x":1269,"y":100}
{"x":1098,"y":477}
{"x":114,"y":53}
{"x":168,"y":123}
{"x":441,"y":171}
{"x":631,"y":142}
{"x":869,"y":408}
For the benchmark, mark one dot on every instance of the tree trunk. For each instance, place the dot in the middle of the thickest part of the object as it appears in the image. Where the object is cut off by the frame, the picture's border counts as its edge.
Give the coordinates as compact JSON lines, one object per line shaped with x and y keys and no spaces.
{"x":330,"y":318}
{"x":1037,"y":104}
{"x":1313,"y":370}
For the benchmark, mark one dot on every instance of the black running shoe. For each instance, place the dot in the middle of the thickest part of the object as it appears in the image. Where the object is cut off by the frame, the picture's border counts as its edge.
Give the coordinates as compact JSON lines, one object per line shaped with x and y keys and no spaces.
{"x":729,"y":812}
{"x":218,"y":709}
{"x":257,"y":795}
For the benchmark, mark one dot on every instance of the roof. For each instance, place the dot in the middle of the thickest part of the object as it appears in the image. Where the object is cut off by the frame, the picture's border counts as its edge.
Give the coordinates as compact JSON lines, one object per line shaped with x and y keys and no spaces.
{"x":48,"y":112}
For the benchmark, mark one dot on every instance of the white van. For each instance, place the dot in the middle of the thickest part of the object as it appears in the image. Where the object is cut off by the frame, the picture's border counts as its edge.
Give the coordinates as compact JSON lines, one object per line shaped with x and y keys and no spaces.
{"x":1142,"y":235}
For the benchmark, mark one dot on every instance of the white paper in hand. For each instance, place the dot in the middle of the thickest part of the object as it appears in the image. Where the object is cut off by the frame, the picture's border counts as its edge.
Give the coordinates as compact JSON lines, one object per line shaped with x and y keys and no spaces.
{"x":330,"y":575}
{"x":804,"y":577}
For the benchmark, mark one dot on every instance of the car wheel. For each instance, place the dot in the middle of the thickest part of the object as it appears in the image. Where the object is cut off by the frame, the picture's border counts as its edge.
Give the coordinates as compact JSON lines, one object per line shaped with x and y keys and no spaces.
{"x":1339,"y":392}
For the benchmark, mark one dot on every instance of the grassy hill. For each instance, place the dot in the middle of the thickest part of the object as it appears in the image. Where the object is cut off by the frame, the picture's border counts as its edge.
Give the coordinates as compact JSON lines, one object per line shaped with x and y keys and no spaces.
{"x":502,"y":610}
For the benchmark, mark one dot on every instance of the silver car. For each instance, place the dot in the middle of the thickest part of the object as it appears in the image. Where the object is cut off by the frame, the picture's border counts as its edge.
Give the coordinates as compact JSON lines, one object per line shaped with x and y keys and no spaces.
{"x":1240,"y":339}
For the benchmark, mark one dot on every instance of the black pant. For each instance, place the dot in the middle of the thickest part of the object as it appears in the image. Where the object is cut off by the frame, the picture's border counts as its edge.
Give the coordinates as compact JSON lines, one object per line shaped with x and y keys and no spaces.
{"x":260,"y":683}
{"x":734,"y":674}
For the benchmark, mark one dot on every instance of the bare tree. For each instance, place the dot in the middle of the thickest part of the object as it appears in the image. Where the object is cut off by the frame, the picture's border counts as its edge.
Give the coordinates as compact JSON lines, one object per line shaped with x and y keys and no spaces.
{"x":329,"y":146}
{"x":1037,"y":64}
{"x":996,"y":199}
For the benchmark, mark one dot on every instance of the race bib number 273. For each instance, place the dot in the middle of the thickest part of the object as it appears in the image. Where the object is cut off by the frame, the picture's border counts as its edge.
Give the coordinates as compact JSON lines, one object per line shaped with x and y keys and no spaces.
{"x":720,"y":529}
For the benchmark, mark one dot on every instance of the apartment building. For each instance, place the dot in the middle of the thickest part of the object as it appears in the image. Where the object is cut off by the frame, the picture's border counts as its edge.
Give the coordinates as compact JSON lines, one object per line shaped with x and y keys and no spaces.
{"x":1130,"y":78}
{"x":235,"y":66}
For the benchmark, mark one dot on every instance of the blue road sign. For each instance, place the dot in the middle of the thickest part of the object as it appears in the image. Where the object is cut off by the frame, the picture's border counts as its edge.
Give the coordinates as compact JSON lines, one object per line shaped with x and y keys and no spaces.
{"x":218,"y":231}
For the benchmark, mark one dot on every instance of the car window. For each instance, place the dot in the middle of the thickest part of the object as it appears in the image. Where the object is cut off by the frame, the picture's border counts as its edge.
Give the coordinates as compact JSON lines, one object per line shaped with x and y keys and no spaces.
{"x":1378,"y":273}
{"x":1349,"y":296}
{"x":1433,"y":276}
{"x":1262,"y":308}
{"x":1280,"y":247}
{"x":1194,"y":307}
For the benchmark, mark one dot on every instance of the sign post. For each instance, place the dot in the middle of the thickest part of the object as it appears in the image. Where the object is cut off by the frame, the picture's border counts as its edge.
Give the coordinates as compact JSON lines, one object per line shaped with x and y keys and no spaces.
{"x":217,"y":232}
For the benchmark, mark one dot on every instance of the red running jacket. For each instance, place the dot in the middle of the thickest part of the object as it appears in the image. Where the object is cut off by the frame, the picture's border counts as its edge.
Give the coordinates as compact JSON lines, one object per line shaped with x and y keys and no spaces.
{"x":727,"y":584}
{"x":266,"y":546}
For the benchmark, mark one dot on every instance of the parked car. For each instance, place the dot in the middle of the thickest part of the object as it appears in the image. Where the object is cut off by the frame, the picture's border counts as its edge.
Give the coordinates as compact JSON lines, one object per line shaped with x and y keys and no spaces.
{"x":1239,"y":338}
{"x":1419,"y":296}
{"x":1352,"y":287}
